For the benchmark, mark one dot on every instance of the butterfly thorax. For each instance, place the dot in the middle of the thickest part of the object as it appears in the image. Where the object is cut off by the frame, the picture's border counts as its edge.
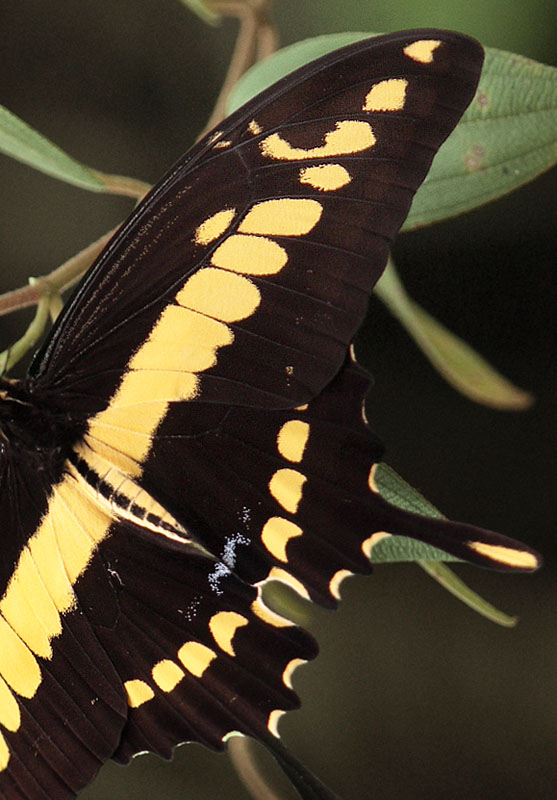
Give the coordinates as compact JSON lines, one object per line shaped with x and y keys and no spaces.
{"x":29,"y":426}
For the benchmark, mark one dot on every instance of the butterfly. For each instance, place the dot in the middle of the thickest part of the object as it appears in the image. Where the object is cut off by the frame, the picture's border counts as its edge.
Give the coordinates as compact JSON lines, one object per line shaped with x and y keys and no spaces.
{"x":192,"y":427}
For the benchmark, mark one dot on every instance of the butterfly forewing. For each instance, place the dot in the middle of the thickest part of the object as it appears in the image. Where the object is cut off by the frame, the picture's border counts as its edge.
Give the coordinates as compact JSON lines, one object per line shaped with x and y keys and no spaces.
{"x":195,"y":425}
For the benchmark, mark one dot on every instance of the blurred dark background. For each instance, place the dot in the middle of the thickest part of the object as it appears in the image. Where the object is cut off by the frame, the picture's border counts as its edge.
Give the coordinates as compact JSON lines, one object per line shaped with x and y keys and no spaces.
{"x":413,"y":695}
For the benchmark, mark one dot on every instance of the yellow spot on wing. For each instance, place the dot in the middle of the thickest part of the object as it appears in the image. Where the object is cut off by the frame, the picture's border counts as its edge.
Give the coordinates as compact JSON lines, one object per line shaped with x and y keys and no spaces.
{"x":292,"y":439}
{"x":196,"y":657}
{"x":422,"y":50}
{"x":336,"y":580}
{"x":388,"y":95}
{"x":214,"y":226}
{"x":29,"y":609}
{"x":10,"y":717}
{"x":167,"y":675}
{"x":281,"y":575}
{"x":4,"y":753}
{"x":348,"y":136}
{"x":182,"y":340}
{"x":138,"y":692}
{"x":252,"y":255}
{"x":268,"y":616}
{"x":276,"y":534}
{"x":223,"y":626}
{"x":286,"y":486}
{"x":273,"y":721}
{"x":325,"y":177}
{"x":220,"y":294}
{"x":18,"y":666}
{"x":286,"y":216}
{"x":290,"y":668}
{"x":505,"y":555}
{"x":254,"y":127}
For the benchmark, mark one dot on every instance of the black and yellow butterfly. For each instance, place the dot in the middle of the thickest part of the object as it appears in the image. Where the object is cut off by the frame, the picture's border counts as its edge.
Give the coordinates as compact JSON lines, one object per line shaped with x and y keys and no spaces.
{"x":193,"y":426}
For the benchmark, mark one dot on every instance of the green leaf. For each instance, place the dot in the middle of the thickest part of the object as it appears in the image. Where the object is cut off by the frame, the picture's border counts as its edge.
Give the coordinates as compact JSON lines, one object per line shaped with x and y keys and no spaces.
{"x":506,"y":137}
{"x":395,"y":490}
{"x":202,"y":10}
{"x":19,"y":140}
{"x":458,"y":363}
{"x":398,"y":548}
{"x":453,"y":584}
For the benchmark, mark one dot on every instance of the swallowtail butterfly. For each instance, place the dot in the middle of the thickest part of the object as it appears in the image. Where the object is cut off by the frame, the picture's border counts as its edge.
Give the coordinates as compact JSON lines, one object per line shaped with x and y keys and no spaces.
{"x":193,"y":426}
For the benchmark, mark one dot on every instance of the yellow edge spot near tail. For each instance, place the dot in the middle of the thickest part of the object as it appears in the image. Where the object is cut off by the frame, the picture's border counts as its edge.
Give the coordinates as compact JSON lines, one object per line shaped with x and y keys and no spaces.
{"x":214,"y":226}
{"x":264,"y":613}
{"x":10,"y":716}
{"x":223,"y":627}
{"x":325,"y":177}
{"x":292,"y":440}
{"x":196,"y":657}
{"x":348,"y":136}
{"x":167,"y":675}
{"x":289,"y":670}
{"x":505,"y":555}
{"x":273,"y":721}
{"x":369,"y":544}
{"x":138,"y":692}
{"x":286,"y":486}
{"x":4,"y":753}
{"x":422,"y":50}
{"x":276,"y":534}
{"x":336,"y":580}
{"x":388,"y":95}
{"x":286,"y":216}
{"x":281,"y":575}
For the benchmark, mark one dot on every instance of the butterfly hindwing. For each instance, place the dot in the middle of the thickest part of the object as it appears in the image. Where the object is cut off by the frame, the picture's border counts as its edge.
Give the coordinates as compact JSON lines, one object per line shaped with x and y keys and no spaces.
{"x":193,"y":426}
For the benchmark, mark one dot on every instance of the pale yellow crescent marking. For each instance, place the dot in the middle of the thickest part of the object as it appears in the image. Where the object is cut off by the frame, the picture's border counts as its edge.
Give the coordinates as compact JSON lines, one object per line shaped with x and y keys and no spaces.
{"x":254,"y":127}
{"x":292,"y":440}
{"x":252,"y":255}
{"x":214,"y":226}
{"x":286,"y":216}
{"x":138,"y":692}
{"x":348,"y":136}
{"x":196,"y":657}
{"x":286,"y":486}
{"x":281,"y":575}
{"x":303,"y":407}
{"x":268,"y":616}
{"x":371,"y":479}
{"x":222,"y":144}
{"x":4,"y":753}
{"x":388,"y":95}
{"x":369,"y":544}
{"x":505,"y":555}
{"x":10,"y":717}
{"x":223,"y":627}
{"x":422,"y":50}
{"x":273,"y":721}
{"x":276,"y":534}
{"x":325,"y":177}
{"x":289,"y":671}
{"x":167,"y":675}
{"x":336,"y":580}
{"x":220,"y":294}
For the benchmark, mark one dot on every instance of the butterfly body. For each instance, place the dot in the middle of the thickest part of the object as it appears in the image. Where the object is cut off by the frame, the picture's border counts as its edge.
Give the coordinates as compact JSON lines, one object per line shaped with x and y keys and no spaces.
{"x":193,"y":426}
